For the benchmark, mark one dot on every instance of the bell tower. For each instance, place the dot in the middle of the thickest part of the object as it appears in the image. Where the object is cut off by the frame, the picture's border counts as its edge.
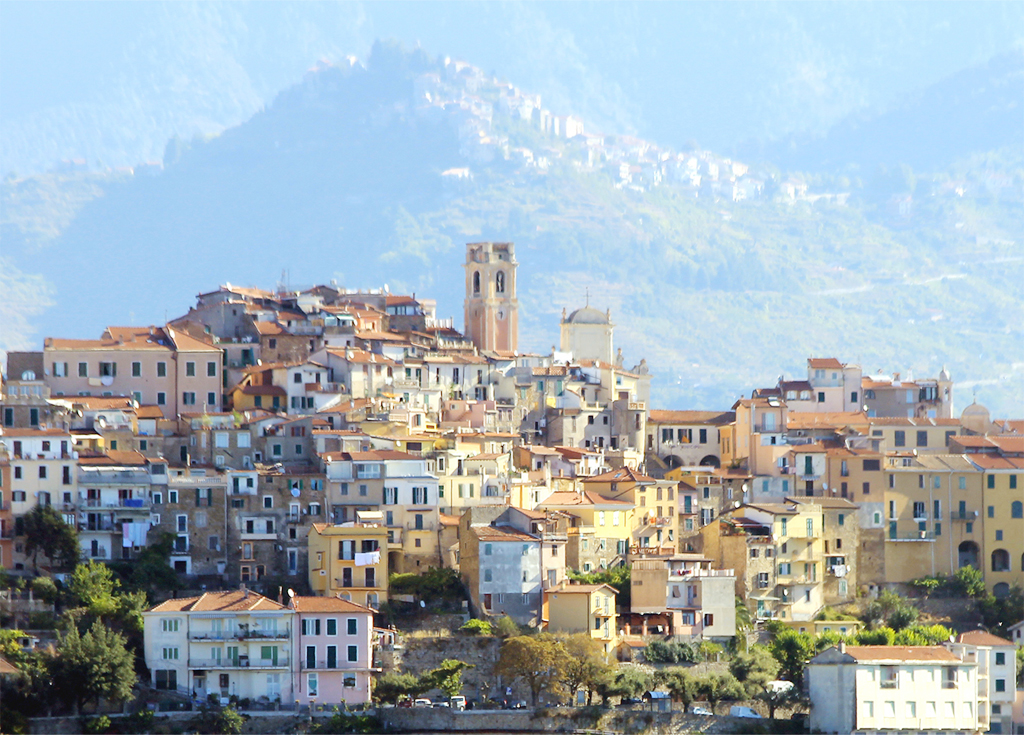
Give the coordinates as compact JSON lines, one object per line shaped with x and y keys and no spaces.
{"x":491,"y":306}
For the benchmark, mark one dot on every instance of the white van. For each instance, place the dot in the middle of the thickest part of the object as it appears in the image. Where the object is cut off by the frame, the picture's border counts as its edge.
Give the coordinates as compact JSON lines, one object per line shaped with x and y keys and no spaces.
{"x":744,"y":712}
{"x":458,"y":702}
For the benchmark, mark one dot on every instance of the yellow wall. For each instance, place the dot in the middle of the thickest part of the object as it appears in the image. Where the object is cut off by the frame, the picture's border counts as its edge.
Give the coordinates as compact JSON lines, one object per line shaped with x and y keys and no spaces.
{"x":325,"y":569}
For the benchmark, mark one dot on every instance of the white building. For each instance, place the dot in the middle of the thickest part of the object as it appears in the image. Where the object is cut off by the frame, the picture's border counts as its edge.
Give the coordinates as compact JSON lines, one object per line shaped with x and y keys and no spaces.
{"x":866,"y":689}
{"x":997,"y":676}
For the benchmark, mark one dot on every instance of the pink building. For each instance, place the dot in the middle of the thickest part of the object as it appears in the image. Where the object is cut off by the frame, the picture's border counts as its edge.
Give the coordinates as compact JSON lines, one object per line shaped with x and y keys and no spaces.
{"x":334,"y":650}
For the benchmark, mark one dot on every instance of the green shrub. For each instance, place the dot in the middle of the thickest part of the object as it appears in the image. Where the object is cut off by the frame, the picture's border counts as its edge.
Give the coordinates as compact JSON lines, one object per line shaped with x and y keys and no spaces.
{"x":97,"y":725}
{"x":506,"y":627}
{"x":476,"y":627}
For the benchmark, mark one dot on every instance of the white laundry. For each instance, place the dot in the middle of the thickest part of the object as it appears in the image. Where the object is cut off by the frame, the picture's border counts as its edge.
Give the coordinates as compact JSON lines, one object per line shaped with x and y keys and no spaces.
{"x":366,"y":558}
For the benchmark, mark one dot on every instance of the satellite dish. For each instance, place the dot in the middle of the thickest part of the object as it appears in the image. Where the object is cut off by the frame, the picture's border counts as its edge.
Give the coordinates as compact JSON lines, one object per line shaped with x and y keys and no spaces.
{"x":295,"y":492}
{"x":386,"y":289}
{"x":291,"y":592}
{"x":422,"y":603}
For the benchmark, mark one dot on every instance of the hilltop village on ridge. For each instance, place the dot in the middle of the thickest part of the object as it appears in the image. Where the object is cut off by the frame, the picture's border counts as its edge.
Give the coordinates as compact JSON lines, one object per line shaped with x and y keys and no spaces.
{"x":339,"y":479}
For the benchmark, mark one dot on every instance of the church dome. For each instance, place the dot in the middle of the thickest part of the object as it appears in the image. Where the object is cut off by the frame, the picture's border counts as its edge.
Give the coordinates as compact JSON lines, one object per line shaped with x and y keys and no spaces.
{"x":588,"y":315}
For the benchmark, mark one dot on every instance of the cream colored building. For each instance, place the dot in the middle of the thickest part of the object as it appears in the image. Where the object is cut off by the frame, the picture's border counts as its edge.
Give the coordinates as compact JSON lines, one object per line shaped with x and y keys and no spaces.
{"x":583,"y":608}
{"x":587,"y":334}
{"x":997,"y":676}
{"x":684,"y":593}
{"x":868,"y":689}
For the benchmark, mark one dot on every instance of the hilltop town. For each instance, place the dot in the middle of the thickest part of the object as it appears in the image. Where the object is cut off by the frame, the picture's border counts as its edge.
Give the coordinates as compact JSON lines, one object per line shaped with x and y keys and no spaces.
{"x":291,"y":498}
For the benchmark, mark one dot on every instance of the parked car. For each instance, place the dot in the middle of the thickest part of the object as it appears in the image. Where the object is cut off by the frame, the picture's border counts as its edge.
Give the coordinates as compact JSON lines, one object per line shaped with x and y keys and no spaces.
{"x":629,"y":701}
{"x":515,"y":704}
{"x":438,"y":705}
{"x":458,"y":702}
{"x":701,"y":711}
{"x":422,"y":702}
{"x":744,"y":712}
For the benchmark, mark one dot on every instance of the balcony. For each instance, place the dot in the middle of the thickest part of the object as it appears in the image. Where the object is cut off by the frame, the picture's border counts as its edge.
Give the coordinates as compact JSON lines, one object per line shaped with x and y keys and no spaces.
{"x":965,"y":515}
{"x":907,"y":536}
{"x":352,"y":666}
{"x":240,"y":663}
{"x":247,"y":635}
{"x":429,"y":526}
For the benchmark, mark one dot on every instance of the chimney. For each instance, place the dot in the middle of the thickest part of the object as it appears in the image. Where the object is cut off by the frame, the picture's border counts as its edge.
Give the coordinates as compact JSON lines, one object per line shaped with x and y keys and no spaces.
{"x":245,"y":592}
{"x":280,"y":596}
{"x":842,"y":646}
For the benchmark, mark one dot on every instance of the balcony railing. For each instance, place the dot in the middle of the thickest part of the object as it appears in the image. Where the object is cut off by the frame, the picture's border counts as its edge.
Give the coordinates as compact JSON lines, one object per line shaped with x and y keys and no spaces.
{"x":904,"y":536}
{"x":338,"y":665}
{"x":239,"y":663}
{"x":223,"y":635}
{"x":964,"y":515}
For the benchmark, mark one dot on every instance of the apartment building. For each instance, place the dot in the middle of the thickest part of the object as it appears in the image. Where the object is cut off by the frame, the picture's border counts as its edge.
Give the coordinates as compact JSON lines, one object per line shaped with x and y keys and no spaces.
{"x":507,"y":557}
{"x":600,"y":528}
{"x":933,"y":508}
{"x":158,"y":366}
{"x":334,"y":650}
{"x":684,"y":439}
{"x":893,"y":396}
{"x":1003,"y":500}
{"x":841,"y":540}
{"x":25,"y":397}
{"x":193,"y":509}
{"x":221,"y":644}
{"x":349,"y":560}
{"x":867,"y":689}
{"x":397,"y":484}
{"x":583,"y":608}
{"x":997,"y":676}
{"x":683,"y":595}
{"x":114,"y":503}
{"x":906,"y":434}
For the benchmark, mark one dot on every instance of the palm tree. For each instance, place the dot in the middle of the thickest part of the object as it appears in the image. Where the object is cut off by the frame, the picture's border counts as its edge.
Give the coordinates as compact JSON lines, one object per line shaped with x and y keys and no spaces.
{"x":743,"y":623}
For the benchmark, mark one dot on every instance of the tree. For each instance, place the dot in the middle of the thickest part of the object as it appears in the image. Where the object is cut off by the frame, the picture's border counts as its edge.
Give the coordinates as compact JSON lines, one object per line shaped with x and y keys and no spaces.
{"x":506,"y":627}
{"x":447,"y":677}
{"x":47,"y":533}
{"x":792,"y":650}
{"x":1020,"y":667}
{"x":393,"y":686}
{"x":217,"y":720}
{"x":754,"y":669}
{"x":967,"y":582}
{"x":680,"y":684}
{"x":891,"y":610}
{"x":584,"y":664}
{"x":999,"y":613}
{"x":476,"y":627}
{"x":717,"y":688}
{"x":617,"y":577}
{"x":93,"y":666}
{"x":776,"y":697}
{"x":631,"y":681}
{"x":538,"y":660}
{"x":92,"y":586}
{"x":744,"y":622}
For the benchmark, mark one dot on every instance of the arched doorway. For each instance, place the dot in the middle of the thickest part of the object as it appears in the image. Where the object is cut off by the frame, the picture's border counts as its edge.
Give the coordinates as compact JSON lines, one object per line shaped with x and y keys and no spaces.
{"x":710,"y":461}
{"x":1001,"y":590}
{"x":1000,"y":560}
{"x":967,"y":555}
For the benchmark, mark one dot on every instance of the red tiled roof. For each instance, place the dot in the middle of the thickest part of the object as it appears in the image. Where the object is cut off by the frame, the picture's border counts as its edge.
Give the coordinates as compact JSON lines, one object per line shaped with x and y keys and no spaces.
{"x":981,"y":638}
{"x":824,"y":363}
{"x":235,"y":600}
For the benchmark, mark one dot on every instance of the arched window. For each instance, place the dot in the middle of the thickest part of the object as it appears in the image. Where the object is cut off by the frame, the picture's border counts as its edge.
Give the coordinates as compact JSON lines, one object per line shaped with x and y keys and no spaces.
{"x":1017,"y":509}
{"x":1001,"y":590}
{"x":1000,"y":560}
{"x":499,"y":282}
{"x":476,"y":282}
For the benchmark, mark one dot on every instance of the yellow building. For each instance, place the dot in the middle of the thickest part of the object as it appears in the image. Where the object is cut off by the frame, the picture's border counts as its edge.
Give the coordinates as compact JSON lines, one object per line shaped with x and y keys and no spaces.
{"x":933,"y":522}
{"x":600,"y":530}
{"x":799,"y":551}
{"x":583,"y":608}
{"x":350,"y":560}
{"x":1003,"y":559}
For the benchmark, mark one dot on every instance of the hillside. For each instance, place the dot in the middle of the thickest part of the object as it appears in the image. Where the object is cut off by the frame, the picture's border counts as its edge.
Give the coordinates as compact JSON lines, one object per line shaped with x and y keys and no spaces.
{"x":344,"y":177}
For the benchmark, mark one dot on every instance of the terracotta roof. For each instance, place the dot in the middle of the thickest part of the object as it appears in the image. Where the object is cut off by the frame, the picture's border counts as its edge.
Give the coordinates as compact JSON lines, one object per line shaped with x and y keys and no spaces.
{"x":261,"y":390}
{"x":902,"y":653}
{"x":7,"y":668}
{"x":234,"y":600}
{"x":374,"y":455}
{"x":824,"y":363}
{"x":800,"y":385}
{"x":583,"y":589}
{"x":113,"y":458}
{"x":502,"y":533}
{"x":780,"y":509}
{"x":358,"y":356}
{"x":622,"y":474}
{"x":100,"y":403}
{"x":815,"y":448}
{"x":898,"y":421}
{"x":448,"y":520}
{"x":657,"y":416}
{"x":981,"y":638}
{"x":270,"y":328}
{"x":34,"y":432}
{"x":824,"y":502}
{"x":327,"y":605}
{"x":808,"y":420}
{"x":149,"y":412}
{"x":587,"y":497}
{"x":993,"y":462}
